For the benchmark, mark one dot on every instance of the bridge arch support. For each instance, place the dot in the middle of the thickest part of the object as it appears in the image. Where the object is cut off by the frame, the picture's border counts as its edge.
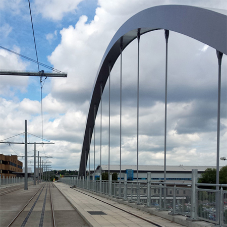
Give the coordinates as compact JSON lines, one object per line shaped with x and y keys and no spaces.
{"x":208,"y":26}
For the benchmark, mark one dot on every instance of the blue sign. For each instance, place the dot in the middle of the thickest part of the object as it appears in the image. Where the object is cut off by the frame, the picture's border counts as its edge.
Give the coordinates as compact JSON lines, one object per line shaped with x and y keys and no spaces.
{"x":129,"y":173}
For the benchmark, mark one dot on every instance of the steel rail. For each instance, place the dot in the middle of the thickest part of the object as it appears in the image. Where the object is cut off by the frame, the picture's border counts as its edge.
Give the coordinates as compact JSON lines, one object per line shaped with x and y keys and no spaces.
{"x":52,"y":207}
{"x":24,"y":207}
{"x":29,"y":213}
{"x":43,"y":209}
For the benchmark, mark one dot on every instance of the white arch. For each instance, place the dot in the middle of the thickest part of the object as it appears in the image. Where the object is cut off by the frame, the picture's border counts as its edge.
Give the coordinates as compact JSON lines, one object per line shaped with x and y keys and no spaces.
{"x":208,"y":26}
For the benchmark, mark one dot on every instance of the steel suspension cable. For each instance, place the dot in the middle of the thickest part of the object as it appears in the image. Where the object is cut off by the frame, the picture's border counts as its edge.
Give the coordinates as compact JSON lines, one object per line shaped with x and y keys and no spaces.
{"x":101,"y":139}
{"x":89,"y":151}
{"x":109,"y":130}
{"x":121,"y":46}
{"x":138,"y":38}
{"x":94,"y":139}
{"x":166,"y":80}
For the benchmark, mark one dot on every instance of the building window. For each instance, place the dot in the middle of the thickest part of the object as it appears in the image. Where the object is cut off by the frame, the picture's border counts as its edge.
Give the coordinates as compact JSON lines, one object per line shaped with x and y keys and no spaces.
{"x":170,"y":192}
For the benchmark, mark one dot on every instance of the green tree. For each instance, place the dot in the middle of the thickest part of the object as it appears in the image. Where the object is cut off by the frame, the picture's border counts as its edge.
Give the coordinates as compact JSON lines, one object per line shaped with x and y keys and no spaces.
{"x":105,"y":176}
{"x":209,"y":176}
{"x":114,"y":176}
{"x":223,"y":175}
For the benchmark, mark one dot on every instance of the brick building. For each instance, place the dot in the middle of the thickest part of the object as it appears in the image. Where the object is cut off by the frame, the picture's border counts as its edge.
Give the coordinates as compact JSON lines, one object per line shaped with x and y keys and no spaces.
{"x":10,"y":165}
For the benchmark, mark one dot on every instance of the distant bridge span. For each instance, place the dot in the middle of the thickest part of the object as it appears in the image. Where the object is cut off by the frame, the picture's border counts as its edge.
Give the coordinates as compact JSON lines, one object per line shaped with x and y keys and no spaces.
{"x":208,"y":26}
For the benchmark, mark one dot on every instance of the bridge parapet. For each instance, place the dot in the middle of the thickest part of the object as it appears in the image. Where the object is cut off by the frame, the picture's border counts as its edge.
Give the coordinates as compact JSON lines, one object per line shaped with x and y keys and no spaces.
{"x":190,"y":200}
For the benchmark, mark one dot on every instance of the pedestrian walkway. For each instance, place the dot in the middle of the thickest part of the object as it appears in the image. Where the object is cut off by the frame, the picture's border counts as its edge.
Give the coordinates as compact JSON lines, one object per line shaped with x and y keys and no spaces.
{"x":99,"y":211}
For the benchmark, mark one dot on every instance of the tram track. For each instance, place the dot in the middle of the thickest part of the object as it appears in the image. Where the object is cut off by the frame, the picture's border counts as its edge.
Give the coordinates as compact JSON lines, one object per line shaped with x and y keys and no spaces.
{"x":40,"y":210}
{"x":10,"y":224}
{"x":22,"y":221}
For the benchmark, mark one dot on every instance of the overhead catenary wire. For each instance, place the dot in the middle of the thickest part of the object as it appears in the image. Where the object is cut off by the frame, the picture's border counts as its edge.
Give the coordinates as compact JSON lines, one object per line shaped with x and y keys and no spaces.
{"x":38,"y":136}
{"x":12,"y":136}
{"x":33,"y":34}
{"x":41,"y":102}
{"x":23,"y":137}
{"x":13,"y":149}
{"x":32,"y":60}
{"x":41,"y":72}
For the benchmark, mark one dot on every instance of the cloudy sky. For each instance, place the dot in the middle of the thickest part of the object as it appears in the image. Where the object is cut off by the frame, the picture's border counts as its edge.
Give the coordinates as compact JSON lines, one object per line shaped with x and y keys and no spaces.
{"x":72,"y":36}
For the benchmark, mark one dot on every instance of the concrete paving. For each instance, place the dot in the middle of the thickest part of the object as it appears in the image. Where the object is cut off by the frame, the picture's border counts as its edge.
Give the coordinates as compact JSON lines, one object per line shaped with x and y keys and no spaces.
{"x":12,"y":203}
{"x":76,"y":213}
{"x":115,"y":214}
{"x":65,"y":214}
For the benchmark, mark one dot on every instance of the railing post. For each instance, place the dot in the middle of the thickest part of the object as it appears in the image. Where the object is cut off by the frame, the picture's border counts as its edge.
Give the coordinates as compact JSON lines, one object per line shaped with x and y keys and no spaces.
{"x":149,"y":189}
{"x":160,"y":196}
{"x":100,"y":182}
{"x":174,"y":199}
{"x":194,"y":193}
{"x":110,"y":184}
{"x":125,"y":187}
{"x":93,"y":182}
{"x":83,"y":182}
{"x":221,"y":211}
{"x":131,"y":190}
{"x":138,"y":193}
{"x":0,"y":179}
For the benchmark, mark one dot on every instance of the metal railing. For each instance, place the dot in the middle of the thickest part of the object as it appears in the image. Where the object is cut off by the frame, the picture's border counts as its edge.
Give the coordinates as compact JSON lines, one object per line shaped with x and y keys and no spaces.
{"x":12,"y":180}
{"x":195,"y":200}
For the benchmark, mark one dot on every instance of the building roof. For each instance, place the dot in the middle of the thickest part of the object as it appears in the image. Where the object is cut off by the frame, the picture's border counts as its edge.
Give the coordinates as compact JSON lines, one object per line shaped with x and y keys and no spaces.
{"x":155,"y":168}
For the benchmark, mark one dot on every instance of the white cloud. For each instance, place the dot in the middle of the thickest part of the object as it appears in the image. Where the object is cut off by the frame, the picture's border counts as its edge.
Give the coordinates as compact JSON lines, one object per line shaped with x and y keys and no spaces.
{"x":5,"y":30}
{"x":191,"y":91}
{"x":14,"y":6}
{"x":12,"y":62}
{"x":80,"y":52}
{"x":51,"y":36}
{"x":56,"y":9}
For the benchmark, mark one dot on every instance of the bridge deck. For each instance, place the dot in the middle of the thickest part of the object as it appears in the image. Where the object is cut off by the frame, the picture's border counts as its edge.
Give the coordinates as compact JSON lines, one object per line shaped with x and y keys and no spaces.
{"x":115,"y":214}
